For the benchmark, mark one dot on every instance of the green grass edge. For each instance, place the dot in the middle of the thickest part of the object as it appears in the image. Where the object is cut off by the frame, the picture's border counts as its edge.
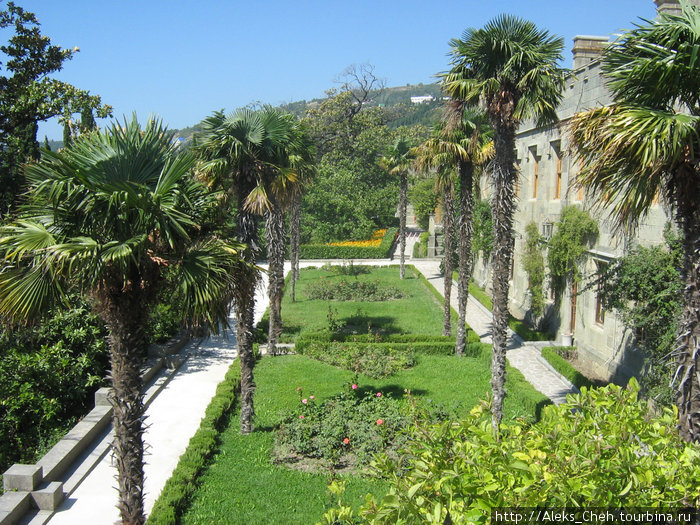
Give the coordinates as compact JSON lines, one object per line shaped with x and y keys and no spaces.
{"x":181,"y":485}
{"x":565,"y":368}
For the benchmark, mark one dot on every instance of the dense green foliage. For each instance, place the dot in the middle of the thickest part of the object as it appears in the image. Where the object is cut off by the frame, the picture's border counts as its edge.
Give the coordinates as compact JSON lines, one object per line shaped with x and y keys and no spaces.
{"x":347,"y":429}
{"x":567,"y":247}
{"x":482,"y":238}
{"x":603,"y":448}
{"x":48,"y":374}
{"x":28,"y":96}
{"x":645,"y":288}
{"x":180,"y":486}
{"x":327,"y":251}
{"x":424,"y":199}
{"x":533,"y":263}
{"x":557,"y":357}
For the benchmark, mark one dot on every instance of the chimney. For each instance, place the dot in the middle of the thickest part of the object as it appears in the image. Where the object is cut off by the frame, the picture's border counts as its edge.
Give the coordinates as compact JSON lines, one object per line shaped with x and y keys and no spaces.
{"x":588,"y":49}
{"x":672,"y":7}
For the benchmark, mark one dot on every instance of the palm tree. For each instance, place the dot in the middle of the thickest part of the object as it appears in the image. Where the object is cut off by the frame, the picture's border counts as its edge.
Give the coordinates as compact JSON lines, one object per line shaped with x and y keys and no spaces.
{"x":647,"y":143}
{"x":246,"y":152}
{"x":433,"y":154}
{"x":468,"y":139}
{"x":304,"y":165}
{"x":511,"y":67}
{"x":397,"y":161}
{"x":106,"y":217}
{"x":293,"y":162}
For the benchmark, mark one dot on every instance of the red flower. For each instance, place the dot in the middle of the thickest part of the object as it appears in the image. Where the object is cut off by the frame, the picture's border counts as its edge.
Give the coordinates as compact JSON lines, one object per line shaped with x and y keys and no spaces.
{"x":301,"y":417}
{"x":346,"y":441}
{"x":380,"y":421}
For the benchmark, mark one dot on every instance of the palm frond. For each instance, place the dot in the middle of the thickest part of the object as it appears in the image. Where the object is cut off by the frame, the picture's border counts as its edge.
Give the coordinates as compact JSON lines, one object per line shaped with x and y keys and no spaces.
{"x":630,"y":153}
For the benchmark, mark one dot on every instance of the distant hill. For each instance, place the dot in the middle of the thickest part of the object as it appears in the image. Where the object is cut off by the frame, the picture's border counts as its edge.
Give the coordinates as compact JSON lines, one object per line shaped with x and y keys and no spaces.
{"x":397,"y":101}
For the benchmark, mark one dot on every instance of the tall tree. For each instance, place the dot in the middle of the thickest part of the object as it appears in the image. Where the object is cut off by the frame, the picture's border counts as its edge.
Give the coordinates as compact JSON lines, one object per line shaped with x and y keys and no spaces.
{"x":511,"y":67}
{"x":434,"y":154}
{"x":106,"y":217}
{"x":397,"y":161}
{"x":647,"y":143}
{"x":28,"y":96}
{"x":294,"y":157}
{"x":468,"y":138}
{"x":243,"y":152}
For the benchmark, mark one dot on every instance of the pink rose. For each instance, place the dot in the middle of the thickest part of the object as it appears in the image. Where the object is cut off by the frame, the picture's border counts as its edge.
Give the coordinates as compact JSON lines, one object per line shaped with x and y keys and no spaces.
{"x":301,"y":417}
{"x":304,"y":401}
{"x":311,"y":397}
{"x":379,"y":394}
{"x":346,"y":441}
{"x":354,"y":387}
{"x":380,"y":421}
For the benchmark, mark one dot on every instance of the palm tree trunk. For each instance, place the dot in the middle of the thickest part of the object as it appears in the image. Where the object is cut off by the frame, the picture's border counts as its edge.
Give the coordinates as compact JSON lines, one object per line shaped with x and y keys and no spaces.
{"x":123,"y":313}
{"x":448,"y":245}
{"x":688,"y":373}
{"x":276,"y":242}
{"x":504,"y":176}
{"x":466,"y":227}
{"x":403,"y":185}
{"x":245,"y":282}
{"x":295,"y":243}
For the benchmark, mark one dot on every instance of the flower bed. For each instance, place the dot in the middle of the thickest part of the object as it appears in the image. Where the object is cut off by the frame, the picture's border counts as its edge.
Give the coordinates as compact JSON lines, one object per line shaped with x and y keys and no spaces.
{"x":373,"y":242}
{"x":345,"y":430}
{"x":350,"y":251}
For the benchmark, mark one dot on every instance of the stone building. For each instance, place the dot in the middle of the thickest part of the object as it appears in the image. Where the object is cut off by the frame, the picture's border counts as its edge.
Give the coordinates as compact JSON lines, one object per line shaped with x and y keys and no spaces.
{"x":545,"y":186}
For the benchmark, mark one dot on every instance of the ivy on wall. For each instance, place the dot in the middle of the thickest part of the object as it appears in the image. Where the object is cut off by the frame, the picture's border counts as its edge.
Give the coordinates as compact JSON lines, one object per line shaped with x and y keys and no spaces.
{"x":575,"y":232}
{"x":533,"y":264}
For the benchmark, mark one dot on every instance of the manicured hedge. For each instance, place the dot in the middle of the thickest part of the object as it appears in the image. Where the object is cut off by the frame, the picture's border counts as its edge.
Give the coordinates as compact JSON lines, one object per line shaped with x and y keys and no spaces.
{"x":419,"y":347}
{"x":561,"y":365}
{"x":182,"y":483}
{"x":325,"y":251}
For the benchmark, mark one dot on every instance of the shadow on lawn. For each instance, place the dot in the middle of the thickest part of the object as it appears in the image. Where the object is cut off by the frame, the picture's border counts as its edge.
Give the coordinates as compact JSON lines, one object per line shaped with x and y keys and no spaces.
{"x":362,"y":323}
{"x":392,"y":391}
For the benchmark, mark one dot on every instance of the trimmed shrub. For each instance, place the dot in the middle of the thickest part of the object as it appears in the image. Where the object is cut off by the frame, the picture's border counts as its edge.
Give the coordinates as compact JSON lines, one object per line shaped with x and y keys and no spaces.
{"x":178,"y":489}
{"x":326,"y":251}
{"x":555,"y":357}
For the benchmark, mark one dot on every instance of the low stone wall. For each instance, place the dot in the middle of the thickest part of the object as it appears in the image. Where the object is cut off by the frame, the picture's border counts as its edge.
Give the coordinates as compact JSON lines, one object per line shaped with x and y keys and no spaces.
{"x":31,"y":487}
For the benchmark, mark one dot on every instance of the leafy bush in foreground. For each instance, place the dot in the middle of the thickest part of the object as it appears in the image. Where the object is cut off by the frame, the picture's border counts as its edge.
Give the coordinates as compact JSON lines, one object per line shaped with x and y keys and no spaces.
{"x":48,"y":373}
{"x":603,"y":448}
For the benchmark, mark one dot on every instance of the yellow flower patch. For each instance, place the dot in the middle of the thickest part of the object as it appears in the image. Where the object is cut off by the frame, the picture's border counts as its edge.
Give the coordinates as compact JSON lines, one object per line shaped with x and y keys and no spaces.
{"x":372,"y":242}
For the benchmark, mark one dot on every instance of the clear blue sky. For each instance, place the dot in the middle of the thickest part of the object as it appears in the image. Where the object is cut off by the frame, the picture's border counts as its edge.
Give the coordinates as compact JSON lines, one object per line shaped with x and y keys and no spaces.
{"x":181,"y":60}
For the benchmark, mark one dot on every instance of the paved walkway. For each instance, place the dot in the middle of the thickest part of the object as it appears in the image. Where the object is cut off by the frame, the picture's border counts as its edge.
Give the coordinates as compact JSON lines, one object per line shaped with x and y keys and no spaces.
{"x":179,"y":400}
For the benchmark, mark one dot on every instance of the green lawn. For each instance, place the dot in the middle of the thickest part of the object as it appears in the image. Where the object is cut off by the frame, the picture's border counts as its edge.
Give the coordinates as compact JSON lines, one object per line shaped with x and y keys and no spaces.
{"x":418,"y":312}
{"x":242,"y":485}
